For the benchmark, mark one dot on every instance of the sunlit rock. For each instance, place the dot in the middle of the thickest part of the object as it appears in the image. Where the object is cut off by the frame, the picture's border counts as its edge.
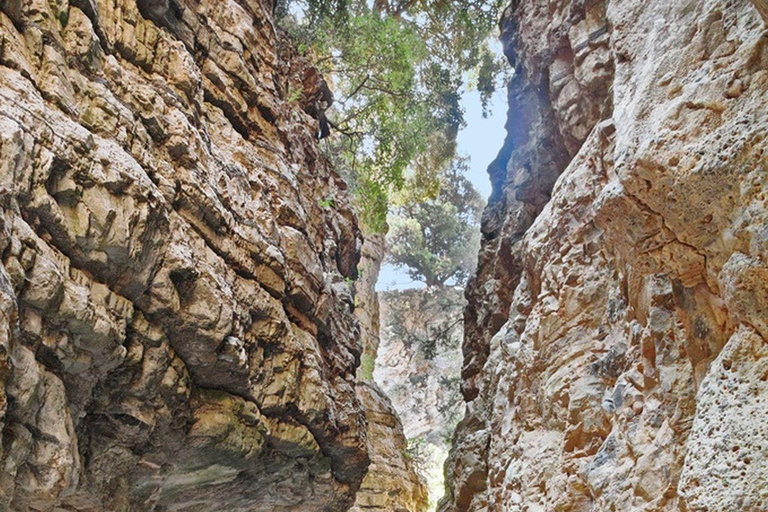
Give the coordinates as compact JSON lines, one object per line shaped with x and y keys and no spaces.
{"x":613,"y":338}
{"x":177,"y":325}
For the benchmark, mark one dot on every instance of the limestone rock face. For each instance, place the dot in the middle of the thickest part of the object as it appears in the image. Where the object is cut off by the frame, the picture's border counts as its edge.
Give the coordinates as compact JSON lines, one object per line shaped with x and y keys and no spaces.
{"x":614,"y":352}
{"x":177,"y":328}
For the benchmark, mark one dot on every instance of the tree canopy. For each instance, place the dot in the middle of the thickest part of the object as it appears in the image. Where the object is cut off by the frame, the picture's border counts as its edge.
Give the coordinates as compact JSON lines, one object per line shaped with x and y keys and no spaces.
{"x":437,"y":240}
{"x":396,"y":69}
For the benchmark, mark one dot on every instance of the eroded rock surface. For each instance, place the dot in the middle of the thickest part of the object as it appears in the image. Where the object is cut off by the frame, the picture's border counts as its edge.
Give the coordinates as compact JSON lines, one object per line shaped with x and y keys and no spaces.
{"x":616,"y":329}
{"x":391,"y":484}
{"x":177,"y":329}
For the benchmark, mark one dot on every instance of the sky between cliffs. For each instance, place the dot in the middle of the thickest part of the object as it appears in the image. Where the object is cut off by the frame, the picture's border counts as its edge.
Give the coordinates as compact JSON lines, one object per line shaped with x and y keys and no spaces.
{"x":481,"y":139}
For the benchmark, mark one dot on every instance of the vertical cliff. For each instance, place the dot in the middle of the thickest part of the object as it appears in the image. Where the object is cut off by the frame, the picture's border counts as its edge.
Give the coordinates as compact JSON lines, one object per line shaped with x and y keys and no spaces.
{"x":177,"y":328}
{"x":615,"y":336}
{"x":392,"y":483}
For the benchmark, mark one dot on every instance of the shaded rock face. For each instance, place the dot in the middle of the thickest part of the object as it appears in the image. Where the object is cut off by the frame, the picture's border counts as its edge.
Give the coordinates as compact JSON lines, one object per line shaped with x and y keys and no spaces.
{"x":614,"y":351}
{"x":368,"y":307}
{"x":177,"y":329}
{"x":392,"y":483}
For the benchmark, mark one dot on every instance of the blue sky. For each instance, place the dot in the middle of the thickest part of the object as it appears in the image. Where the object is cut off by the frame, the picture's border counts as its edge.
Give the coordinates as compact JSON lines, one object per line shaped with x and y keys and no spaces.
{"x":480,"y":140}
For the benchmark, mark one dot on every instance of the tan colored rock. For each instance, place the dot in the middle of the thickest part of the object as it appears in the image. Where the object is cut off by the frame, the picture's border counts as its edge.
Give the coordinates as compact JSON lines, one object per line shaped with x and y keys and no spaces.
{"x":614,"y":330}
{"x":178,"y":328}
{"x":391,"y":484}
{"x":726,"y":467}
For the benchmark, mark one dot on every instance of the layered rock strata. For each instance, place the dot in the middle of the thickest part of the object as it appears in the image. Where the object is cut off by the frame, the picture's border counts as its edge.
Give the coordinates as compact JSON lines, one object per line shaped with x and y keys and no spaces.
{"x":616,"y":328}
{"x":177,"y":327}
{"x":392,"y":483}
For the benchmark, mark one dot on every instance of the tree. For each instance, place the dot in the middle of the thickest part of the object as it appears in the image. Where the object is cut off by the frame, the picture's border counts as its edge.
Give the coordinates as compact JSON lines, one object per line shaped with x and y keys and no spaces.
{"x":437,"y":240}
{"x":396,"y":69}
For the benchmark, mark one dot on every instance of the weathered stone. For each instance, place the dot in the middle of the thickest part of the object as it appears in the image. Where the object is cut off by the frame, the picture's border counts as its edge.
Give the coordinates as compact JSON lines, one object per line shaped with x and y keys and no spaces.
{"x":177,"y":328}
{"x":726,"y":466}
{"x":391,"y":484}
{"x":624,"y":248}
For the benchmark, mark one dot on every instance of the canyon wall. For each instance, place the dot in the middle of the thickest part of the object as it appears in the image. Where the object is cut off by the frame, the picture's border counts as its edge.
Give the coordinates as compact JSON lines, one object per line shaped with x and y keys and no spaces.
{"x":177,"y":257}
{"x":392,"y":483}
{"x":615,"y":353}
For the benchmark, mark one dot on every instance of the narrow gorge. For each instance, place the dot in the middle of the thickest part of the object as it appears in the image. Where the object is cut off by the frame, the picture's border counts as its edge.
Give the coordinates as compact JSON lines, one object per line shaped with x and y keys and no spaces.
{"x":188,"y":280}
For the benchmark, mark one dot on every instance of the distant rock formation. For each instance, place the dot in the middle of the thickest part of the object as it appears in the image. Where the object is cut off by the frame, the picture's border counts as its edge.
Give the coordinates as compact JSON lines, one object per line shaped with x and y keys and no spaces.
{"x":419,"y":368}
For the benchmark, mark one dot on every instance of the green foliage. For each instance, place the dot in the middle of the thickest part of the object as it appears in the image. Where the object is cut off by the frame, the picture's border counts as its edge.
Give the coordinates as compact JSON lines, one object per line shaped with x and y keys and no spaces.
{"x":327,"y":202}
{"x":367,"y":364}
{"x":293,"y":95}
{"x":416,"y":452}
{"x":373,"y":201}
{"x":396,"y":70}
{"x":436,"y":240}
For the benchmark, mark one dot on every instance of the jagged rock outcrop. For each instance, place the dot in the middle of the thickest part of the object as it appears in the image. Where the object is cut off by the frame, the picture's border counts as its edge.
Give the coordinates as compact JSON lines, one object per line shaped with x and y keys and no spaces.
{"x":616,"y":328}
{"x":178,"y":328}
{"x":392,"y":483}
{"x":419,"y":367}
